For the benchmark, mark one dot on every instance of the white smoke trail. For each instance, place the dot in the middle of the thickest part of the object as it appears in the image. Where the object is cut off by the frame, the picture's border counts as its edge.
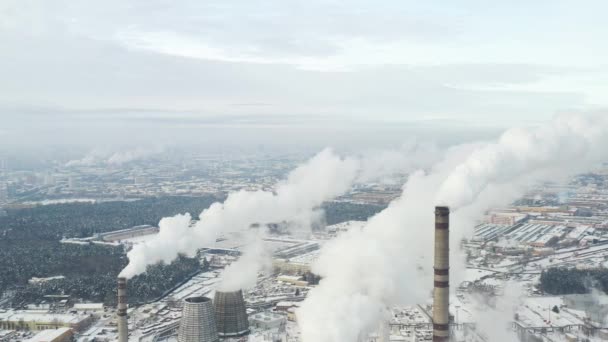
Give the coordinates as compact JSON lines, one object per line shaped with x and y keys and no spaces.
{"x":493,"y":319}
{"x":243,"y":274}
{"x":323,"y":177}
{"x":101,"y":156}
{"x":372,"y":167}
{"x":389,"y":166}
{"x":569,"y":141}
{"x":94,"y":157}
{"x":387,"y":262}
{"x":139,"y":153}
{"x":364,"y":272}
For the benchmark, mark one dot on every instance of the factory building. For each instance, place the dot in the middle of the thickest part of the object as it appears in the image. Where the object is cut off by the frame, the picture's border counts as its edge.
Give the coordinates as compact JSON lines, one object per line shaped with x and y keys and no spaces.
{"x":231,"y":314}
{"x":198,"y":321}
{"x":290,"y":267}
{"x":53,"y":335}
{"x":37,"y":321}
{"x":129,"y":233}
{"x":268,"y":320}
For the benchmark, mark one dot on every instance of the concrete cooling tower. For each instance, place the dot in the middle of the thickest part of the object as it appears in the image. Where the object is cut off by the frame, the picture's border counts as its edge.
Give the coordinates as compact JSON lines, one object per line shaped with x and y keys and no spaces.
{"x":231,"y":314}
{"x":198,"y":321}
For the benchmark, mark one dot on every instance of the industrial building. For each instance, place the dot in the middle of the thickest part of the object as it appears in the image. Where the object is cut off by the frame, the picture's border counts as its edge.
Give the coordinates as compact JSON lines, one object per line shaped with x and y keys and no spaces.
{"x":53,"y":335}
{"x":129,"y":233}
{"x":37,"y":321}
{"x":268,"y":320}
{"x":198,"y":321}
{"x":290,"y":267}
{"x":231,"y":314}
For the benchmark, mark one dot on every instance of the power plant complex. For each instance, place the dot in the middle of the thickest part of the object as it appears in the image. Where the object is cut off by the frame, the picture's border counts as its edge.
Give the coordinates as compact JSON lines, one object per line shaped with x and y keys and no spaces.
{"x":204,"y":320}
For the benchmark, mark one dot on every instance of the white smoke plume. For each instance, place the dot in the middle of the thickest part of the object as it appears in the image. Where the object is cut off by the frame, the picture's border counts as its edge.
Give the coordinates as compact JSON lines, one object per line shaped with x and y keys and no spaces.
{"x":390,"y":260}
{"x":372,"y":166}
{"x":140,"y":153}
{"x":243,"y":274}
{"x":295,"y":201}
{"x":323,"y":177}
{"x":569,"y":142}
{"x":102,"y":156}
{"x":94,"y":157}
{"x":387,"y":262}
{"x":389,"y":166}
{"x":493,"y":318}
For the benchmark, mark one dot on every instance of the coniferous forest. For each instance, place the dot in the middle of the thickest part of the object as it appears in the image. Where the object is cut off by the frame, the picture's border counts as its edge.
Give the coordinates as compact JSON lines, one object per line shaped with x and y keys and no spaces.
{"x":30,"y":247}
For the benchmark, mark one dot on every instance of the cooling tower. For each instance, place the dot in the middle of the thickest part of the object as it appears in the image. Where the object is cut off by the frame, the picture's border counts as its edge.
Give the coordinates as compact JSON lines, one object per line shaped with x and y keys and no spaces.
{"x":231,"y":314}
{"x":441,"y":290}
{"x":123,"y":332}
{"x":198,"y":321}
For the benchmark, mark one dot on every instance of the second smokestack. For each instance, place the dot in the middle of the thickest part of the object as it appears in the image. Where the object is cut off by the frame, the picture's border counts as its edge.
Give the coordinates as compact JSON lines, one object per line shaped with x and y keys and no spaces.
{"x":441,"y":289}
{"x":121,"y":314}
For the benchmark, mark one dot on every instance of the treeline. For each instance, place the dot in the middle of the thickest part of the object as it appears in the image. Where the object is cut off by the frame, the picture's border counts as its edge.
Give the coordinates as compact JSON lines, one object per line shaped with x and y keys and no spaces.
{"x":52,"y":222}
{"x":38,"y":258}
{"x":337,"y":212}
{"x":30,"y":247}
{"x":561,"y":281}
{"x":101,"y":287}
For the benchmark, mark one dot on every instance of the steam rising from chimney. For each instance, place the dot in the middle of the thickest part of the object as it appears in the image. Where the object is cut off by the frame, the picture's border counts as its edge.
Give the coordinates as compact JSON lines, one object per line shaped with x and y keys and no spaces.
{"x":388,"y":262}
{"x":294,"y":200}
{"x":243,"y":274}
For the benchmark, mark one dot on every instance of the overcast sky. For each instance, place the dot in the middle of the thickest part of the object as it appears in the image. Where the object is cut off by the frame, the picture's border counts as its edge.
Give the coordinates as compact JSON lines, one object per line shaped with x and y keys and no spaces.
{"x":88,"y":64}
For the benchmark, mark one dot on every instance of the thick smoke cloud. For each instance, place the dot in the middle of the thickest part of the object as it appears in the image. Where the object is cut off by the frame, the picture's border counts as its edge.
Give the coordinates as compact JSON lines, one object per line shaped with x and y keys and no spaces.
{"x":294,"y":202}
{"x":389,"y":261}
{"x":389,"y":166}
{"x":243,"y":274}
{"x":494,"y":314}
{"x":567,"y":142}
{"x":378,"y":166}
{"x":323,"y":177}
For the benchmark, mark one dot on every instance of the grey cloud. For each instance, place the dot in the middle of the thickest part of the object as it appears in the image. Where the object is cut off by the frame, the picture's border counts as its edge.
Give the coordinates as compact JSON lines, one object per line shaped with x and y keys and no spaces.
{"x":79,"y":73}
{"x":63,"y":69}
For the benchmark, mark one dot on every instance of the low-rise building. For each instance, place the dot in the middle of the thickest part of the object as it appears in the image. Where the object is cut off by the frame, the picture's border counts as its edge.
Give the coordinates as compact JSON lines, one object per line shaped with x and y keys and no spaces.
{"x":53,"y":335}
{"x":36,"y":321}
{"x":267,"y":320}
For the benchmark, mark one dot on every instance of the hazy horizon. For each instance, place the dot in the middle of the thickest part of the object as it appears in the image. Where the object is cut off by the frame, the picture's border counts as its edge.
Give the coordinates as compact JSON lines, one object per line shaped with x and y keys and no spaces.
{"x":144,"y":71}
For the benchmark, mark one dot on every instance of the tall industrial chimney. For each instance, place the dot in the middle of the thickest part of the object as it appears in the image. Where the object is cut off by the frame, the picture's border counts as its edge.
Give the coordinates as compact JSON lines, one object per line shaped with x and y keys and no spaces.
{"x":441,"y":291}
{"x":121,"y":318}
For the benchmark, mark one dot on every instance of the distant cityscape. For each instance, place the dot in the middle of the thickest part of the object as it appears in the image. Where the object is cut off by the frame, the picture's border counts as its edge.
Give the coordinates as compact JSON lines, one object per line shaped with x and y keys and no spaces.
{"x":99,"y":181}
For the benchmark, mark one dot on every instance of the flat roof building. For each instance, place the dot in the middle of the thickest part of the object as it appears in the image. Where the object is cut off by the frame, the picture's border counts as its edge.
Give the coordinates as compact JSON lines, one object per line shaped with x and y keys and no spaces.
{"x":53,"y":335}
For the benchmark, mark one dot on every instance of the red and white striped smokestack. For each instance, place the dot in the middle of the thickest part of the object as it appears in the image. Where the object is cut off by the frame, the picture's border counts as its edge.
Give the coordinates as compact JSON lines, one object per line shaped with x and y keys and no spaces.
{"x":441,"y":290}
{"x":123,"y":332}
